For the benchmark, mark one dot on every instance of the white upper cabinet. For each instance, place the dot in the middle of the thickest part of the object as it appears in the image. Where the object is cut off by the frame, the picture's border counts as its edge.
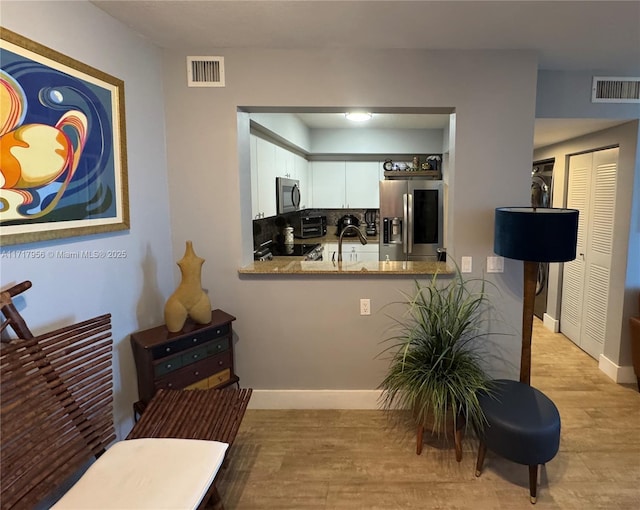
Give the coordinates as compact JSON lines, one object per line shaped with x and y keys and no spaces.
{"x":328,"y":179}
{"x":362,"y":184}
{"x":346,"y":184}
{"x":253,"y":151}
{"x":293,"y":166}
{"x":266,"y":170}
{"x":284,"y":163}
{"x":269,"y":161}
{"x":301,"y":172}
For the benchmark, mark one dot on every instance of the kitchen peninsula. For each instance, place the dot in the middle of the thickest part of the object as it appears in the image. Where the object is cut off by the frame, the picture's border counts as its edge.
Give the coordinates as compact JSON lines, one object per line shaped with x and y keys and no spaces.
{"x":350,"y":265}
{"x":284,"y":265}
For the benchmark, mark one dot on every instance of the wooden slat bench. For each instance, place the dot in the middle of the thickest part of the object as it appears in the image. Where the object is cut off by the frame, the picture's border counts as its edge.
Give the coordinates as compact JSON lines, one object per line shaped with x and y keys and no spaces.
{"x":57,"y":408}
{"x":213,"y":415}
{"x":161,"y":465}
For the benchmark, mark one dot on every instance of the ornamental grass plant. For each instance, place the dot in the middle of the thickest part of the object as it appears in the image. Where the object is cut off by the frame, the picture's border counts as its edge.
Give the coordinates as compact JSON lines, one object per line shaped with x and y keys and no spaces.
{"x":436,"y":368}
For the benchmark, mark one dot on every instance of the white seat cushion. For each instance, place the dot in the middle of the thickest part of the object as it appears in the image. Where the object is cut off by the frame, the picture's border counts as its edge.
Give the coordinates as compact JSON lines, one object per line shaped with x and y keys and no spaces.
{"x":147,"y":474}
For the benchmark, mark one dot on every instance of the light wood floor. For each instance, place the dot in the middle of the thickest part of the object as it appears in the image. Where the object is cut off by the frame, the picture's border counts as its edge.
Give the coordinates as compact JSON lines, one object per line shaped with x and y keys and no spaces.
{"x":334,"y":459}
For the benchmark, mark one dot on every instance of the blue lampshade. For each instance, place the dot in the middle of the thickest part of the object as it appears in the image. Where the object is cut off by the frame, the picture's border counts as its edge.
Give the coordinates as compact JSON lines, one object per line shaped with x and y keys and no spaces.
{"x":536,"y":235}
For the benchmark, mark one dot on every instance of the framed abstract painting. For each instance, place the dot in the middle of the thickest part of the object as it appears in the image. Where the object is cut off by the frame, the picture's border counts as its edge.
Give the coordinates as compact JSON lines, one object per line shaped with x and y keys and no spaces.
{"x":63,"y":158}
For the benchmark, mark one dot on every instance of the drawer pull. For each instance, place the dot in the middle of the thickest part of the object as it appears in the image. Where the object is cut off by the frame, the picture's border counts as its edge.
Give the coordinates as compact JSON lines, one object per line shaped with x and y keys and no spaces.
{"x":168,"y":349}
{"x":218,"y":331}
{"x":195,"y":356}
{"x":194,"y":340}
{"x":219,"y":346}
{"x":220,"y":363}
{"x":196,"y":373}
{"x":169,"y":385}
{"x":169,"y":365}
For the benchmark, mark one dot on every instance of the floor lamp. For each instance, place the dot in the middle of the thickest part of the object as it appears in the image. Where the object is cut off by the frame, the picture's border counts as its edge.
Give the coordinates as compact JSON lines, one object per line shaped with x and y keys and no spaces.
{"x":534,"y":235}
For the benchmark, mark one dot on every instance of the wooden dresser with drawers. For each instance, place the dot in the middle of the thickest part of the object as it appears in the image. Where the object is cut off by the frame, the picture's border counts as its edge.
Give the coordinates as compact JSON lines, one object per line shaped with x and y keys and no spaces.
{"x":199,"y":356}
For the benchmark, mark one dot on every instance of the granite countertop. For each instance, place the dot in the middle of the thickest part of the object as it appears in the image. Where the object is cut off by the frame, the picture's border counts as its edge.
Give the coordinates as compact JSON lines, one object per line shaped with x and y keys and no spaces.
{"x":297,"y":265}
{"x":285,"y":265}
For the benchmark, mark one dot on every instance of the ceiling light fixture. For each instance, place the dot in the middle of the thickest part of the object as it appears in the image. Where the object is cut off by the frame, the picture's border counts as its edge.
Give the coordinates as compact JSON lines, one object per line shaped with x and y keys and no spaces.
{"x":358,"y":116}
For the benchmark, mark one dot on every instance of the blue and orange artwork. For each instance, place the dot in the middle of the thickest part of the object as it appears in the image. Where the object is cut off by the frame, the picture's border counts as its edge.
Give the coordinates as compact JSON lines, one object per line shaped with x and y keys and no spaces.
{"x":57,"y":161}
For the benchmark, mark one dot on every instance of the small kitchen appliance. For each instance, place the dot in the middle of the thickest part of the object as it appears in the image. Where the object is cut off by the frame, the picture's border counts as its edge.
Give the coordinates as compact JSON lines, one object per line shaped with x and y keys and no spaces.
{"x":370,"y":219}
{"x":344,"y":222}
{"x":310,"y":226}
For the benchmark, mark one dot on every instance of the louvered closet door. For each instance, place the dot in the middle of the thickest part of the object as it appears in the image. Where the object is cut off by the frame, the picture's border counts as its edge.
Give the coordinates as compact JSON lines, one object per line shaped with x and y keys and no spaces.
{"x":599,"y":246}
{"x":574,"y":271}
{"x":586,"y":281}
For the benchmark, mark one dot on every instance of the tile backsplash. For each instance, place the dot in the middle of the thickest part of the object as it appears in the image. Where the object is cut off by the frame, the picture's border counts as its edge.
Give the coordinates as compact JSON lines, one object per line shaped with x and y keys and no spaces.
{"x":272,"y":228}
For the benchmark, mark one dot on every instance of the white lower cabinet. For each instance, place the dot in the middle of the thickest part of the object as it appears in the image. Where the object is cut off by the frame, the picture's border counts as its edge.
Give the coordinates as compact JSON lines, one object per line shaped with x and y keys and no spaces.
{"x":370,"y":252}
{"x":328,"y":250}
{"x":351,"y":252}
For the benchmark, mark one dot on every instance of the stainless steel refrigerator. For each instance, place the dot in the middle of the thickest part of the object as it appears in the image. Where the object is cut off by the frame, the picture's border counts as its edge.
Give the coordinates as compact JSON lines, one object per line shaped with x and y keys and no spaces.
{"x":410,"y":219}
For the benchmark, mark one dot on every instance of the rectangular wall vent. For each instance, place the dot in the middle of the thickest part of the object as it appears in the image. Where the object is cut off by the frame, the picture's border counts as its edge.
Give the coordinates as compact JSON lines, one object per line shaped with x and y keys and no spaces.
{"x":614,"y":89}
{"x":205,"y":71}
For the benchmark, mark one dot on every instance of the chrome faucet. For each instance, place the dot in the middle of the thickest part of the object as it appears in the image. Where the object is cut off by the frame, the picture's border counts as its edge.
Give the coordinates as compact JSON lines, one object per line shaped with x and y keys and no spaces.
{"x":363,"y":239}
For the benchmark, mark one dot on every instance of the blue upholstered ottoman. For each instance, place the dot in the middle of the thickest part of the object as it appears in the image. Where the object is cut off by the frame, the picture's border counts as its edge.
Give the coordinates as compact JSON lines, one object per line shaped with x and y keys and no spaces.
{"x":523,"y":425}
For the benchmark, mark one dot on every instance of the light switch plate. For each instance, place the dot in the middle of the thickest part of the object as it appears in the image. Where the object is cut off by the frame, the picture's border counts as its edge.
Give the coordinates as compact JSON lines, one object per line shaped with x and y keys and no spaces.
{"x":495,"y":264}
{"x":467,"y":264}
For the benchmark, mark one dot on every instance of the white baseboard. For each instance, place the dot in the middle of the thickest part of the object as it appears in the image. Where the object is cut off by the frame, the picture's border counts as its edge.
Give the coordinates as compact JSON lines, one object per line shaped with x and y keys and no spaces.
{"x":314,"y":399}
{"x":550,"y":323}
{"x":615,"y":372}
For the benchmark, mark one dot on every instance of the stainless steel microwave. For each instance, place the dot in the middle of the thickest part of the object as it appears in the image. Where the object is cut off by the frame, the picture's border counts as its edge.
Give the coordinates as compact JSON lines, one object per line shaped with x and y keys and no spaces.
{"x":287,"y":195}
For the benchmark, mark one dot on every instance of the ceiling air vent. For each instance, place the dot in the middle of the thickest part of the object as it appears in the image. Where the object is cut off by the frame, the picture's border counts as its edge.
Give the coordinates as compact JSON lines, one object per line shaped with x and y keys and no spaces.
{"x":614,"y":89}
{"x":205,"y":71}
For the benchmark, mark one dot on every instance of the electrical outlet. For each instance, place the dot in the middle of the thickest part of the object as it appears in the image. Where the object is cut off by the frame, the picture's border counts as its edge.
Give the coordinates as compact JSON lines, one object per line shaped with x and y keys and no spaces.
{"x":365,"y":307}
{"x":467,"y":263}
{"x":495,"y":265}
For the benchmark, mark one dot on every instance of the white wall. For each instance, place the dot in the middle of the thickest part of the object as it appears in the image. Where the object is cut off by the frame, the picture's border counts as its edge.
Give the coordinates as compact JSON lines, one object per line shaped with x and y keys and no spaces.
{"x":377,"y":141}
{"x":305,"y":332}
{"x":291,"y":333}
{"x":567,"y":94}
{"x":350,"y":141}
{"x":134,"y":289}
{"x":625,"y":279}
{"x":286,"y":125}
